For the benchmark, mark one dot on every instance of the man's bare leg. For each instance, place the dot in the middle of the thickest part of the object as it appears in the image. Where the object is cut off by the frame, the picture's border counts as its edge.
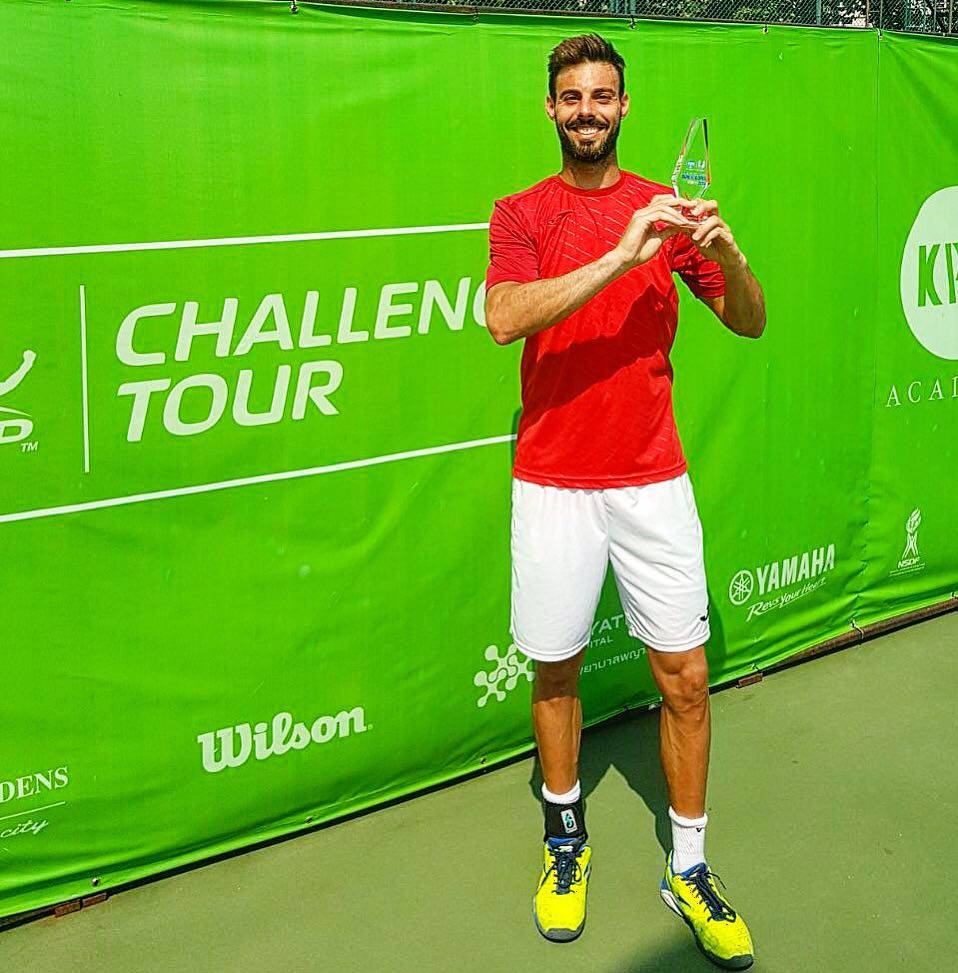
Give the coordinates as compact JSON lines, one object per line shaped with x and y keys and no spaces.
{"x":559,"y":902}
{"x":684,"y":737}
{"x":684,"y":726}
{"x":557,"y":721}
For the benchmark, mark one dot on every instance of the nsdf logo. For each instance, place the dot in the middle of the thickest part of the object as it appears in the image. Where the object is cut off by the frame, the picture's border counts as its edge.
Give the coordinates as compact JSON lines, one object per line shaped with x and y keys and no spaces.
{"x":15,"y":425}
{"x":911,"y":559}
{"x":929,"y":274}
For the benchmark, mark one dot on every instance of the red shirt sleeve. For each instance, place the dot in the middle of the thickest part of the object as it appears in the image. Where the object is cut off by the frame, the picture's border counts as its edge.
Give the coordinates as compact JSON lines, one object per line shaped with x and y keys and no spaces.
{"x":512,"y":251}
{"x":703,"y":277}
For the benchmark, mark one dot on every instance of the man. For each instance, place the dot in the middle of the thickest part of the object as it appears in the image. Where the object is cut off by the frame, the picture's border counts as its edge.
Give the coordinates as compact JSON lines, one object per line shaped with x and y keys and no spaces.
{"x":581,"y":267}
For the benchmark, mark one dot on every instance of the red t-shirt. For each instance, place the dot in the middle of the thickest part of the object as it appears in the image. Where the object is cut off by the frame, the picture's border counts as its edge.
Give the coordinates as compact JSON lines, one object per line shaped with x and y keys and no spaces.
{"x":597,"y":386}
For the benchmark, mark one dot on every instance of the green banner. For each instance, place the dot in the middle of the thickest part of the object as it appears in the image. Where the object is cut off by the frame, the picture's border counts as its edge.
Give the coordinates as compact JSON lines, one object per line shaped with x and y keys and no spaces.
{"x":255,"y":442}
{"x":911,"y":530}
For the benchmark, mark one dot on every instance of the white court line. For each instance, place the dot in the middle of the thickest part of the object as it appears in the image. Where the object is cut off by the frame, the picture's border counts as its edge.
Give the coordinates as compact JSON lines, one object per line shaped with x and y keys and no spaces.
{"x":32,"y":810}
{"x":235,"y":241}
{"x":249,"y":480}
{"x":83,"y":382}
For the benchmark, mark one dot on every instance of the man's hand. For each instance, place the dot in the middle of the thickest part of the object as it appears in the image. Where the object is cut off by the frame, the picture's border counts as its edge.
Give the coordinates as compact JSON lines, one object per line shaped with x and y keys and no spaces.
{"x":742,"y":307}
{"x":650,"y":227}
{"x":712,"y":236}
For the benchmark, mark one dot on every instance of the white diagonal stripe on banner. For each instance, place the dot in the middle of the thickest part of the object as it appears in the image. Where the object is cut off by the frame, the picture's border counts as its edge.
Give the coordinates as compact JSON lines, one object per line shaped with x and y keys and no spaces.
{"x":249,"y":480}
{"x":237,"y":241}
{"x":32,"y":810}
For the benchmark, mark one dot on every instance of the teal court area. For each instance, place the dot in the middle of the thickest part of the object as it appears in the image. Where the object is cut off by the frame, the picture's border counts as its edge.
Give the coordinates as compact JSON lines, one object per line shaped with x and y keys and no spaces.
{"x":832,"y":800}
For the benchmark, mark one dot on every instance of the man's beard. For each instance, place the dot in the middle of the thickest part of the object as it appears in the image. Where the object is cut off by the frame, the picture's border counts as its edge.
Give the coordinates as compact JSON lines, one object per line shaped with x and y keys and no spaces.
{"x":592,"y":152}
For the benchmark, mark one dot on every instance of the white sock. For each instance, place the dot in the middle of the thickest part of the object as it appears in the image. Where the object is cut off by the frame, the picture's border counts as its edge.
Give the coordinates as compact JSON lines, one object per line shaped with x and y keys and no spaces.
{"x":688,"y":841}
{"x":570,"y":797}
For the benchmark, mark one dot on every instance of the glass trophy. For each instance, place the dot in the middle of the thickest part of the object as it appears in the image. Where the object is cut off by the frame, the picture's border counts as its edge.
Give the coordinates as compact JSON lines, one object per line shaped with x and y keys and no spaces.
{"x":691,"y":175}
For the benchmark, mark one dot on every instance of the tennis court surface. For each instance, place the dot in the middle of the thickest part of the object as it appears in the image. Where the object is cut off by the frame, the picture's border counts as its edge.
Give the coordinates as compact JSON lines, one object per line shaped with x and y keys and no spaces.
{"x":832,"y":802}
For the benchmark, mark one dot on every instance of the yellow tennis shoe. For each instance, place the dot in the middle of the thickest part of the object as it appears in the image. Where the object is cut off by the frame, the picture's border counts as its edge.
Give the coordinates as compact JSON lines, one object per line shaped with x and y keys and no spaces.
{"x":559,"y":903}
{"x":719,"y":930}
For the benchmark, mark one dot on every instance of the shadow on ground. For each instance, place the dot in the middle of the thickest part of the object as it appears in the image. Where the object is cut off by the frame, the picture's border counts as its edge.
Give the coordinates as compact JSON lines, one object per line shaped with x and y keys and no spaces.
{"x":632,"y":748}
{"x":677,"y":959}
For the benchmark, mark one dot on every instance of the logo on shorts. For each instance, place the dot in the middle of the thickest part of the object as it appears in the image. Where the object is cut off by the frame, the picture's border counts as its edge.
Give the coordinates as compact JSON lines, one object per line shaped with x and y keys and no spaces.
{"x":911,"y":560}
{"x":506,"y":672}
{"x":568,"y":821}
{"x":806,"y":567}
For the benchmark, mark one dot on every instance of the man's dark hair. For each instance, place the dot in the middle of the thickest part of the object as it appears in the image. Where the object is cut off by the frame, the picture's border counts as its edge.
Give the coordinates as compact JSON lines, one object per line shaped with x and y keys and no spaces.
{"x":579,"y":50}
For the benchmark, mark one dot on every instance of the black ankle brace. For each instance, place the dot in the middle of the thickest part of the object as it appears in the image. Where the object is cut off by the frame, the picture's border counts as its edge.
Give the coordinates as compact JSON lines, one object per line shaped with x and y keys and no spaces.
{"x":564,"y":820}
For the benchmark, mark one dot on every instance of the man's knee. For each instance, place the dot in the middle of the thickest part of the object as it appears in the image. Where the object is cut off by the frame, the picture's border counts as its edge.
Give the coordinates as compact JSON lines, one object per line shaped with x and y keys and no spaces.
{"x":686,"y":683}
{"x":558,"y":678}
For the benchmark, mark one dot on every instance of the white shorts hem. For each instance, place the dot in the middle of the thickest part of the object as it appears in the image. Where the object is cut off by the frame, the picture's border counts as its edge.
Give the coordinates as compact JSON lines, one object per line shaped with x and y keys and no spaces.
{"x":678,"y":647}
{"x":537,"y":656}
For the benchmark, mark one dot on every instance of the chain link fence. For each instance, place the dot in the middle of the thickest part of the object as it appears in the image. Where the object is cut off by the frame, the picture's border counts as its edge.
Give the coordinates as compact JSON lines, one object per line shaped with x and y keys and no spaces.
{"x":922,"y":16}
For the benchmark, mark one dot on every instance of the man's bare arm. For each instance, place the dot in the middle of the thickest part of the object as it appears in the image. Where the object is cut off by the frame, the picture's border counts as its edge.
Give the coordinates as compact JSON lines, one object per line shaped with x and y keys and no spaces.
{"x":515,"y":310}
{"x":742,"y":308}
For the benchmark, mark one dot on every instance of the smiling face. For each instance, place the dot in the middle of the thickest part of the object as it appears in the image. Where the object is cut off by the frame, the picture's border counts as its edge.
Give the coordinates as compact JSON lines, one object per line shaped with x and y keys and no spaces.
{"x":587,"y":111}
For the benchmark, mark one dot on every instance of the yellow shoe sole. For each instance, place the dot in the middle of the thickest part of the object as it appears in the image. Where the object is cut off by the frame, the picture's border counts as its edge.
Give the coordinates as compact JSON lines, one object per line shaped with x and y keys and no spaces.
{"x":732,"y":963}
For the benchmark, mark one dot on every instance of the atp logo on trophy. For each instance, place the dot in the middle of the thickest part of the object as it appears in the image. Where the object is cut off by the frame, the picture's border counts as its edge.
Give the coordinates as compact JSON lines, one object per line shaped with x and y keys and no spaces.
{"x":911,"y":560}
{"x":14,"y":424}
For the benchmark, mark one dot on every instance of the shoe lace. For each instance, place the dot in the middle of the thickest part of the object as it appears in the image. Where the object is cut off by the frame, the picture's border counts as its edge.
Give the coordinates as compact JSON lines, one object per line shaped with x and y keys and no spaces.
{"x":700,"y":879}
{"x":565,"y":865}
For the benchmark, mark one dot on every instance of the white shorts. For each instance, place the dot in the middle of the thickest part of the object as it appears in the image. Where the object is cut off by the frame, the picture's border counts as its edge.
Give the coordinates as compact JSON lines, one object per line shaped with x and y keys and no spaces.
{"x":562,"y":540}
